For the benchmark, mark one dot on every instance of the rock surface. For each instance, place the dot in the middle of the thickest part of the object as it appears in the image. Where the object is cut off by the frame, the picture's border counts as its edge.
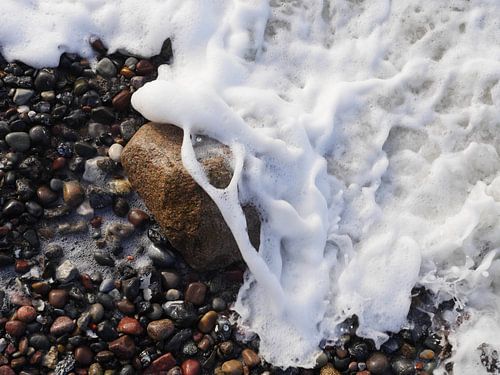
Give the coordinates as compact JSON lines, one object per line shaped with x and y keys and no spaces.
{"x":190,"y":219}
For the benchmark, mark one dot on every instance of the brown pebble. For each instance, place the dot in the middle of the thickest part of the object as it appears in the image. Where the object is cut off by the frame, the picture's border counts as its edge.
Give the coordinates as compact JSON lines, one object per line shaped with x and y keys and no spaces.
{"x":22,"y":266}
{"x":104,"y":356}
{"x":161,"y":364}
{"x":226,"y":347}
{"x":125,"y":306}
{"x":6,"y":370}
{"x":232,"y":367}
{"x":126,"y":72}
{"x":58,"y":298}
{"x":377,"y":363}
{"x":96,"y":221}
{"x":353,"y":366}
{"x":250,"y":358}
{"x":36,"y":358}
{"x":329,"y":369}
{"x":26,"y":314}
{"x":207,"y":321}
{"x":130,"y":326}
{"x":62,"y":325}
{"x":205,"y":343}
{"x":138,"y":218}
{"x":160,"y":329}
{"x":98,"y":45}
{"x":18,"y":362}
{"x":73,"y":193}
{"x":58,"y":163}
{"x":40,"y":287}
{"x":46,"y":196}
{"x":15,"y":328}
{"x":84,"y":355}
{"x":427,"y":354}
{"x":195,"y":293}
{"x":144,"y":68}
{"x":408,"y":351}
{"x":23,"y":345}
{"x":176,"y":370}
{"x":123,"y":347}
{"x":121,"y":101}
{"x":191,"y":367}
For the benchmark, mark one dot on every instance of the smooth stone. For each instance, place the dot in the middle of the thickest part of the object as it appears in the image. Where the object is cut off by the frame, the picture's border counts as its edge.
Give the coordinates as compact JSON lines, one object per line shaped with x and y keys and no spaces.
{"x":161,"y":364}
{"x":104,"y":259}
{"x":84,"y":150}
{"x":160,"y":257}
{"x":207,"y":321}
{"x":121,"y":207}
{"x":13,"y":208}
{"x":195,"y":293}
{"x":45,"y":80}
{"x":95,"y":369}
{"x":191,"y":367}
{"x":115,"y":152}
{"x":84,"y":355}
{"x":130,"y":326}
{"x":62,"y":325}
{"x":218,"y":304}
{"x":26,"y":314}
{"x":123,"y":347}
{"x":96,"y":312}
{"x":19,"y":141}
{"x":22,"y":96}
{"x":106,"y":68}
{"x":15,"y":328}
{"x":73,"y":193}
{"x":189,"y":218}
{"x":160,"y":329}
{"x":66,"y":272}
{"x":170,"y":279}
{"x":232,"y":367}
{"x":377,"y":363}
{"x":39,"y":135}
{"x":39,"y":341}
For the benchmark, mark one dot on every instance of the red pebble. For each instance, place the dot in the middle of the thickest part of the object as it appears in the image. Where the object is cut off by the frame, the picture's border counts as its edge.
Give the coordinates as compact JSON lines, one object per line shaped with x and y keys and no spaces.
{"x":26,"y":314}
{"x":191,"y":367}
{"x":163,"y":363}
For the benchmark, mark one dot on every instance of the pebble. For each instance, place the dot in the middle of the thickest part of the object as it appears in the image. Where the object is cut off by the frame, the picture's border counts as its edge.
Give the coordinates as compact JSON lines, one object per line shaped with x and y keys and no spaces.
{"x":19,"y":141}
{"x":191,"y":367}
{"x":195,"y":293}
{"x":161,"y":257}
{"x":62,"y":325}
{"x":22,"y":96}
{"x":39,"y":341}
{"x":250,"y":358}
{"x":106,"y":68}
{"x":377,"y":363}
{"x":13,"y":208}
{"x":6,"y":370}
{"x":123,"y":347}
{"x":160,"y":329}
{"x":95,"y":369}
{"x":73,"y":193}
{"x":104,"y":259}
{"x":45,"y":80}
{"x":84,"y":355}
{"x":120,"y":207}
{"x":15,"y":328}
{"x":131,"y":288}
{"x":329,"y":369}
{"x":26,"y":314}
{"x":66,"y":272}
{"x":120,"y":186}
{"x":427,"y":354}
{"x":170,"y":279}
{"x":218,"y":304}
{"x":39,"y":135}
{"x":106,"y":331}
{"x":46,"y":196}
{"x":161,"y":364}
{"x":232,"y":367}
{"x":121,"y":101}
{"x":207,"y":322}
{"x":144,"y":68}
{"x":96,"y":312}
{"x":130,"y":326}
{"x":125,"y":306}
{"x":107,"y":285}
{"x":173,"y":294}
{"x":403,"y":366}
{"x":115,"y":152}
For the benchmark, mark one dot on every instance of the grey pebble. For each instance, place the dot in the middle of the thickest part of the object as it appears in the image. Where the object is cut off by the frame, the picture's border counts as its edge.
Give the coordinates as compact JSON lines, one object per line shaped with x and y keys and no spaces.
{"x":106,"y":68}
{"x":19,"y":141}
{"x":22,"y":96}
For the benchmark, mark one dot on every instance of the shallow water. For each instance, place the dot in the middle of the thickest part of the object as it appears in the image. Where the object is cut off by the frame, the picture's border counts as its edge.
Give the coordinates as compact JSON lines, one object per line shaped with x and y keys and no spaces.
{"x":366,"y":132}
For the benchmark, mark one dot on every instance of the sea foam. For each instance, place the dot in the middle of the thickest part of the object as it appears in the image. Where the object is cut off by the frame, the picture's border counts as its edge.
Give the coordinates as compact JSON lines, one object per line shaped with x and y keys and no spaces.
{"x":365,"y":132}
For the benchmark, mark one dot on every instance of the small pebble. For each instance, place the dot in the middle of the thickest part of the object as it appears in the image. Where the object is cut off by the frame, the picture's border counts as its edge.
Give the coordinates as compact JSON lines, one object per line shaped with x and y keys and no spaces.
{"x":160,"y":329}
{"x":115,"y":152}
{"x":232,"y":367}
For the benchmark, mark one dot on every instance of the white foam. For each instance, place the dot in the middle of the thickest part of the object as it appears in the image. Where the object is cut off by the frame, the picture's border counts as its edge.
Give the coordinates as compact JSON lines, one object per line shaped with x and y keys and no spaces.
{"x":366,"y":132}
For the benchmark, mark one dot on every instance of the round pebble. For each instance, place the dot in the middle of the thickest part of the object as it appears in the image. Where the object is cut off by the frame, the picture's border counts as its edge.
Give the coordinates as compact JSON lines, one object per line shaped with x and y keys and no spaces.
{"x":232,"y":367}
{"x":19,"y":141}
{"x":26,"y":314}
{"x":115,"y":152}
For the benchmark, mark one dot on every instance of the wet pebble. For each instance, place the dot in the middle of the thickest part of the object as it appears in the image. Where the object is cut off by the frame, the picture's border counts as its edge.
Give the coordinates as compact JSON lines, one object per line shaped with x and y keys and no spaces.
{"x":73,"y":193}
{"x":232,"y":367}
{"x":19,"y":141}
{"x":106,"y":68}
{"x":377,"y":363}
{"x":160,"y":329}
{"x":130,"y":326}
{"x":62,"y":325}
{"x":26,"y":314}
{"x":195,"y":293}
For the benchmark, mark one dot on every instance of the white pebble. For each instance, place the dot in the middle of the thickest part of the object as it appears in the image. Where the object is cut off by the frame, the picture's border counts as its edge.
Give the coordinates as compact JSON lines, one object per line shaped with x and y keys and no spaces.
{"x":115,"y":152}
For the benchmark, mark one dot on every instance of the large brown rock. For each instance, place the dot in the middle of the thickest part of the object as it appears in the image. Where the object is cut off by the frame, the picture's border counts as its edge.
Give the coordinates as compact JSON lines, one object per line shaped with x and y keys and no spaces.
{"x":189,"y":218}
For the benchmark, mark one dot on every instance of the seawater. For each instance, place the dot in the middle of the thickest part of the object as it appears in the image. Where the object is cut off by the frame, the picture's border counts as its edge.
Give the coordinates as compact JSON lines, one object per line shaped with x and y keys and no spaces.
{"x":365,"y":132}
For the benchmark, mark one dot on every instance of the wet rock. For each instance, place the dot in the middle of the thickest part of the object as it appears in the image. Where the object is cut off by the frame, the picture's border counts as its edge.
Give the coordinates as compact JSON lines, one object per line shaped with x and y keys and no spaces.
{"x":66,"y":272}
{"x":26,"y":314}
{"x":160,"y":329}
{"x":45,"y":80}
{"x":250,"y":358}
{"x":191,"y":367}
{"x":15,"y":328}
{"x":207,"y":322}
{"x":328,"y":369}
{"x":377,"y":363}
{"x":123,"y":347}
{"x":161,"y":257}
{"x":73,"y":193}
{"x":19,"y":141}
{"x":195,"y":293}
{"x":104,"y":259}
{"x":62,"y":325}
{"x":189,"y":218}
{"x":39,"y":341}
{"x":106,"y":68}
{"x":182,"y":313}
{"x":22,"y":96}
{"x":130,"y":326}
{"x":161,"y":364}
{"x":84,"y":355}
{"x":403,"y":366}
{"x":232,"y":367}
